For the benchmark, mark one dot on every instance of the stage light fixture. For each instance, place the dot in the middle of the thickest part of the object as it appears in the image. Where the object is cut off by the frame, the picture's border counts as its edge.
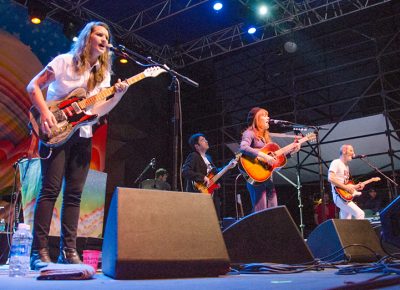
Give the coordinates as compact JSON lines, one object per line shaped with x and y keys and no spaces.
{"x":251,"y":30}
{"x":290,"y":46}
{"x":217,"y":5}
{"x":263,"y":10}
{"x":37,"y":11}
{"x":123,"y":60}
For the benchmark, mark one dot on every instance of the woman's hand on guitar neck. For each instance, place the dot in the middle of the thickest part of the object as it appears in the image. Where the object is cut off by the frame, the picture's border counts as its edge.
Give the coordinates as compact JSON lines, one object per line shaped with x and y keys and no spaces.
{"x":266,"y":158}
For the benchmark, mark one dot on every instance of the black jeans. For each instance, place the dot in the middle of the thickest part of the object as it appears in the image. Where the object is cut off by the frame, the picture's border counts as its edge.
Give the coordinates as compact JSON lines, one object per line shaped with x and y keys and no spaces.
{"x":71,"y":162}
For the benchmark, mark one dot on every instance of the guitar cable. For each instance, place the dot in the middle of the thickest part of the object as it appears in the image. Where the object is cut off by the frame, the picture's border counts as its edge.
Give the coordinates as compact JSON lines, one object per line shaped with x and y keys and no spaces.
{"x":48,"y":155}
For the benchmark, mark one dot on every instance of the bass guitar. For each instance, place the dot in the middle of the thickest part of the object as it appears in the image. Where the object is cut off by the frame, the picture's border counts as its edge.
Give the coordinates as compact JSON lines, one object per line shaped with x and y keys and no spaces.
{"x":70,"y":113}
{"x":213,"y":185}
{"x":256,"y":170}
{"x":347,"y":196}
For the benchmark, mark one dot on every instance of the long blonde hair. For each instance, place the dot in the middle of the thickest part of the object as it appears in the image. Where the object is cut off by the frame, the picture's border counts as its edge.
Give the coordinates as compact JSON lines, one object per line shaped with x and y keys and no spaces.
{"x":258,"y":127}
{"x":81,"y":53}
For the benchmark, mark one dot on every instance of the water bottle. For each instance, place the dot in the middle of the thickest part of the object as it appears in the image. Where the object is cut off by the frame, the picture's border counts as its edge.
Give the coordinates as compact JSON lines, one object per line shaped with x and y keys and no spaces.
{"x":20,"y":251}
{"x":2,"y":221}
{"x":2,"y":225}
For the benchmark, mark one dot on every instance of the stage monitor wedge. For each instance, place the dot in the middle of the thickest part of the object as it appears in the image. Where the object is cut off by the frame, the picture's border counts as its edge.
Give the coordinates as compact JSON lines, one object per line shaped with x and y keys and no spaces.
{"x":351,"y":240}
{"x":162,"y":234}
{"x":268,"y":236}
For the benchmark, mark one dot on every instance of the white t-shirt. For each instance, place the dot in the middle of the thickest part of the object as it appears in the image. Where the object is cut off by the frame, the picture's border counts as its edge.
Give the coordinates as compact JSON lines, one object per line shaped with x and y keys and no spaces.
{"x":207,"y":162}
{"x":341,"y":171}
{"x":66,"y":80}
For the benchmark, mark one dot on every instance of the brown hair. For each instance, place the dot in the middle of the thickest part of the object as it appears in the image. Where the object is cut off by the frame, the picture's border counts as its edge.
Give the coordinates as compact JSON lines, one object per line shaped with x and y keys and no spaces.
{"x":254,"y":124}
{"x":81,"y":52}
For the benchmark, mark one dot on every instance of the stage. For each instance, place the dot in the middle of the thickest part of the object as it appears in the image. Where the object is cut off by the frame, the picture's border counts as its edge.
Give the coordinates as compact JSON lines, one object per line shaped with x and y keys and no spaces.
{"x":324,"y":279}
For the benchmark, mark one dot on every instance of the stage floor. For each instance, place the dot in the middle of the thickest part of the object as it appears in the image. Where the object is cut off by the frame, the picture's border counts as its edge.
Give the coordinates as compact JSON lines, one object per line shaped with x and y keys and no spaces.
{"x":325,"y":279}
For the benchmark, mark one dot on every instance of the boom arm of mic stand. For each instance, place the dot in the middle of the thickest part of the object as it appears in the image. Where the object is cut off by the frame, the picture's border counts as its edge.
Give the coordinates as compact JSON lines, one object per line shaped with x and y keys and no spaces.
{"x":126,"y":52}
{"x":143,"y":172}
{"x":378,"y":170}
{"x":182,"y":77}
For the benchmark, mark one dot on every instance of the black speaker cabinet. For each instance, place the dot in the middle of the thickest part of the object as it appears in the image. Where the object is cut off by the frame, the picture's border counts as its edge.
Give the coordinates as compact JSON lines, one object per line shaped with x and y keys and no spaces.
{"x":352,"y":240}
{"x":390,"y":220}
{"x":266,"y":236}
{"x":162,"y":234}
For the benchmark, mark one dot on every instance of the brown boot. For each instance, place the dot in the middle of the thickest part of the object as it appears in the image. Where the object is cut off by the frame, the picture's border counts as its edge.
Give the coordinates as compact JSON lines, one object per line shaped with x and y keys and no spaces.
{"x":69,"y":256}
{"x":40,"y":258}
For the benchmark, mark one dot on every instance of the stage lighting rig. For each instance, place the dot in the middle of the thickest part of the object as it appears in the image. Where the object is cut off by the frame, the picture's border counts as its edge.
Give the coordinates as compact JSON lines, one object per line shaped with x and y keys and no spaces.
{"x":37,"y":11}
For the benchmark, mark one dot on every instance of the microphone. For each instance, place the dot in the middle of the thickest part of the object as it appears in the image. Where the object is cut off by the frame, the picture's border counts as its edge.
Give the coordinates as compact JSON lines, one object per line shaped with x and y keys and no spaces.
{"x":120,"y":49}
{"x":279,"y":122}
{"x":359,"y":156}
{"x":153,"y":163}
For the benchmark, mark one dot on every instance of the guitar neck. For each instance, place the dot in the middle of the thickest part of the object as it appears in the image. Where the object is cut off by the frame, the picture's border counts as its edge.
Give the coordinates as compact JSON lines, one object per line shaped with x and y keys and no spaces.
{"x":285,"y":150}
{"x":368,"y":181}
{"x":103,"y":94}
{"x":219,"y":174}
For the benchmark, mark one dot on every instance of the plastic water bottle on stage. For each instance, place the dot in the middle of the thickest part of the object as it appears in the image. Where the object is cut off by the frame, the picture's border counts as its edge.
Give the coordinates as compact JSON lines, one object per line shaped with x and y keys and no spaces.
{"x":20,"y":251}
{"x":2,"y":221}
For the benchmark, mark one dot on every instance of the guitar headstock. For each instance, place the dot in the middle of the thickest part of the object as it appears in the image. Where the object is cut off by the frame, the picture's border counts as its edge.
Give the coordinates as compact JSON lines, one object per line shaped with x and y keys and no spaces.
{"x":153,"y":71}
{"x":311,"y":137}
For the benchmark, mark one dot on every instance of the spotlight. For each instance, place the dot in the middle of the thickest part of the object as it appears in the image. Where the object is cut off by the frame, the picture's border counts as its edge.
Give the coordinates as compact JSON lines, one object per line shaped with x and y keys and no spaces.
{"x":290,"y":46}
{"x":263,"y":10}
{"x":251,"y":30}
{"x":218,"y":5}
{"x":37,"y":11}
{"x":123,"y":60}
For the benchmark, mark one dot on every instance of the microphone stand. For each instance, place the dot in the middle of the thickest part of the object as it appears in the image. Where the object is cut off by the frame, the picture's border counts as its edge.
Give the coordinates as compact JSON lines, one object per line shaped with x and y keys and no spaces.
{"x":388,"y":179}
{"x":297,"y":185}
{"x":175,"y":87}
{"x":151,"y":164}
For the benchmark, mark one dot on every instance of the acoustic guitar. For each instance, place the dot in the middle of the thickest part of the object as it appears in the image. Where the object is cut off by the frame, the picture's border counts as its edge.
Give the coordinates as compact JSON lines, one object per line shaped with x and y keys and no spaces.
{"x":256,"y":170}
{"x":347,"y":196}
{"x":70,"y":113}
{"x":213,"y":185}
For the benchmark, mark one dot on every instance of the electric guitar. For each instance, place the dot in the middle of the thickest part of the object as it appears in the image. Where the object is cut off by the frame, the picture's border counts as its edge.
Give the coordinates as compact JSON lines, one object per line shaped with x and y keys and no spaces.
{"x":213,"y":185}
{"x":70,"y":113}
{"x":256,"y":170}
{"x":347,"y":196}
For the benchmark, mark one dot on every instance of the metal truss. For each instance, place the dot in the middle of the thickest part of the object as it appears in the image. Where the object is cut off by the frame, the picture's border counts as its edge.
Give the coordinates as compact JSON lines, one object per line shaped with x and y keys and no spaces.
{"x":156,"y":13}
{"x":289,"y":16}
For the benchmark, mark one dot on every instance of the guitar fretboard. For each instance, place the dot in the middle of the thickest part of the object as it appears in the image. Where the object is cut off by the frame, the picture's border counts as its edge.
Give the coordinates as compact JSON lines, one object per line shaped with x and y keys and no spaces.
{"x":285,"y":150}
{"x":219,"y":174}
{"x":103,"y":94}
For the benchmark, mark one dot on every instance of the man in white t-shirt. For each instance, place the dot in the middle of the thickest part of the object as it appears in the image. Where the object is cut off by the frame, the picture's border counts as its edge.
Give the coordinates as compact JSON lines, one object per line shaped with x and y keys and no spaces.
{"x":339,"y":176}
